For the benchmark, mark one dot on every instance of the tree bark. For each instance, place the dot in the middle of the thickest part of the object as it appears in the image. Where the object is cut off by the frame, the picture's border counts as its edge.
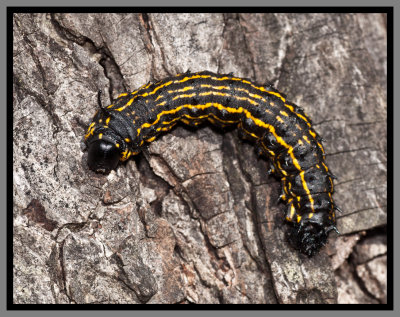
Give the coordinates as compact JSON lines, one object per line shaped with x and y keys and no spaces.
{"x":197,"y":220}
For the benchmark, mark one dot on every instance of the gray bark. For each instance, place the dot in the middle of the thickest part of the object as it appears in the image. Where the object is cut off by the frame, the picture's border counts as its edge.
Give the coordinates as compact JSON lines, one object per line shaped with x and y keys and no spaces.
{"x":198,"y":220}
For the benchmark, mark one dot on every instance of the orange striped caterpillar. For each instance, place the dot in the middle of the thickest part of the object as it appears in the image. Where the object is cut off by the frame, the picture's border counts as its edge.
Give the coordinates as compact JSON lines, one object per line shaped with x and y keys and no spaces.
{"x":280,"y":129}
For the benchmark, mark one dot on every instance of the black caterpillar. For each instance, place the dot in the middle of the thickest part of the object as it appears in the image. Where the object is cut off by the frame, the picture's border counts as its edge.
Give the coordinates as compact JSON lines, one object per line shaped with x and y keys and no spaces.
{"x":280,"y":129}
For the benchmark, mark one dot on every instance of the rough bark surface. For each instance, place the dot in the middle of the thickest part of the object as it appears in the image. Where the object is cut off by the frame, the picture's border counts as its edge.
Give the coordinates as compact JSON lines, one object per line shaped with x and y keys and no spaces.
{"x":197,"y":221}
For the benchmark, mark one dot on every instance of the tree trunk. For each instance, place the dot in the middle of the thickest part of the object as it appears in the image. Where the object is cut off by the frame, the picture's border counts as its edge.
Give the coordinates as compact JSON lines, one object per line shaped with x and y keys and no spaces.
{"x":198,"y":219}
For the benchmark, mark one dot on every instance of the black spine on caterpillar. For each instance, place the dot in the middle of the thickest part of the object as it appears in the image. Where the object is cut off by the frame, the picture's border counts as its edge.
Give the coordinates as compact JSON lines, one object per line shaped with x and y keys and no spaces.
{"x":281,"y":130}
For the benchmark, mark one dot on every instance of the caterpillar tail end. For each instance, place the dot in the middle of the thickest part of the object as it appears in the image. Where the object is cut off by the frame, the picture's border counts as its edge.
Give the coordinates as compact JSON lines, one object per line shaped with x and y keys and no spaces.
{"x":309,"y":238}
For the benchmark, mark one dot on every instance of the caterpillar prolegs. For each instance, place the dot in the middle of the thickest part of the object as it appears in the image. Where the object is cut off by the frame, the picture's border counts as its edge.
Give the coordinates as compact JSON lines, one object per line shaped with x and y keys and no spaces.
{"x":280,"y":129}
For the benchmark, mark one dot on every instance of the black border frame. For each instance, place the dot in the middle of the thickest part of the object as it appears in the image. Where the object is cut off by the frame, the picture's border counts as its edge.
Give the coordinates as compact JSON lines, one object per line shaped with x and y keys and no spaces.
{"x":389,"y":10}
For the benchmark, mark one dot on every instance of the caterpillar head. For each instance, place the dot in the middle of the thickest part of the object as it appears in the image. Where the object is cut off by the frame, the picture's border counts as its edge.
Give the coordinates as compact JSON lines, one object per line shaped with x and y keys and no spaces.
{"x":103,"y":156}
{"x":106,"y":139}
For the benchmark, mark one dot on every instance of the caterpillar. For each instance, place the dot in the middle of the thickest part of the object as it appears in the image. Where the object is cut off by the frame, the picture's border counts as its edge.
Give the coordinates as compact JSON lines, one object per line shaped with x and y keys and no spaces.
{"x":280,"y":129}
